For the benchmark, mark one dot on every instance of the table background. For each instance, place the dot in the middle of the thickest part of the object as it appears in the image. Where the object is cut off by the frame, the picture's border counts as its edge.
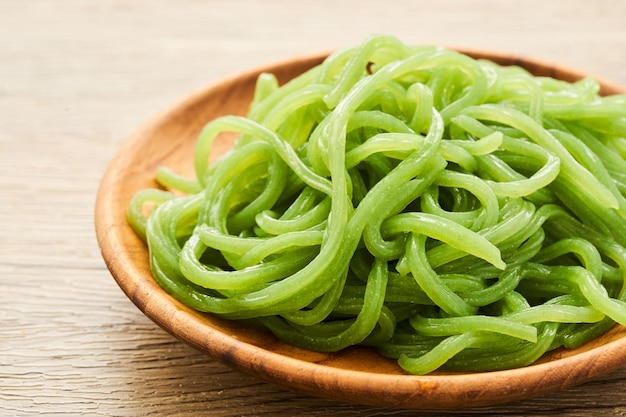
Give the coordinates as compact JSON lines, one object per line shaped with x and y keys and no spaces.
{"x":78,"y":76}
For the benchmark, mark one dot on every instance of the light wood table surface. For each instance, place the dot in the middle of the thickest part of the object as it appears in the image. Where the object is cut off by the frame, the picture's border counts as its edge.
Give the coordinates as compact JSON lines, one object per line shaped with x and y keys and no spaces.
{"x":77,"y":77}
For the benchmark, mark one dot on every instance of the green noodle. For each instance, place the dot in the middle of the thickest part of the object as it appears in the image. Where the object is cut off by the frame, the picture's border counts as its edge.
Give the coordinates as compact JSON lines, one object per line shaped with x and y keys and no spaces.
{"x":449,"y":212}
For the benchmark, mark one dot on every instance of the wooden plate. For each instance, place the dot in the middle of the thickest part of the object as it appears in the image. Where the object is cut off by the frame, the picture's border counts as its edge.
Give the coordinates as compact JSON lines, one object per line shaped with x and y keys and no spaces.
{"x":357,"y":375}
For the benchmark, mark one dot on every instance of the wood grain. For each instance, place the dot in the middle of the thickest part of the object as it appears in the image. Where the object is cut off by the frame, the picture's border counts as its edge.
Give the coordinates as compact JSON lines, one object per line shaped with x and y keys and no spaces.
{"x":78,"y":77}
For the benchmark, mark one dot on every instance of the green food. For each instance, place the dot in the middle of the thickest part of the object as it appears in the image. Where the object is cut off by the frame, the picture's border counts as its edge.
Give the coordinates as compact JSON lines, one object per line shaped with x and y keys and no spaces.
{"x":450,"y":212}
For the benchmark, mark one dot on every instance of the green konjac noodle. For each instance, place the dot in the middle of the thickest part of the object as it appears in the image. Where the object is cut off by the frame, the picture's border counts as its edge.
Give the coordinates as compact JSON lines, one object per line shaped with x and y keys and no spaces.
{"x":449,"y":212}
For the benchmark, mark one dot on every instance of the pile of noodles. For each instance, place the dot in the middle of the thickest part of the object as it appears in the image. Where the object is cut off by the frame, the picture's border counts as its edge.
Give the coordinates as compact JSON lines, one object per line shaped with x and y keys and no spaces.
{"x":449,"y":212}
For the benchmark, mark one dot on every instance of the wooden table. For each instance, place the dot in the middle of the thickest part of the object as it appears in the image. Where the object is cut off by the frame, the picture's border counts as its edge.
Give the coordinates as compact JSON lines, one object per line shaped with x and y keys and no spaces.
{"x":77,"y":77}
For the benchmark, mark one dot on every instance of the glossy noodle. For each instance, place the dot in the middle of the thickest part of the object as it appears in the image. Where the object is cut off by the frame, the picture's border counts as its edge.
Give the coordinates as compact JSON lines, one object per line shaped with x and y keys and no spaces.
{"x":449,"y":212}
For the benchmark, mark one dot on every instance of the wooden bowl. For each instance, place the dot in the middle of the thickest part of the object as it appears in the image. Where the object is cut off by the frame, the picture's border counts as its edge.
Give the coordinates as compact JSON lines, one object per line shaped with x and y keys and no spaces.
{"x":356,"y":375}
